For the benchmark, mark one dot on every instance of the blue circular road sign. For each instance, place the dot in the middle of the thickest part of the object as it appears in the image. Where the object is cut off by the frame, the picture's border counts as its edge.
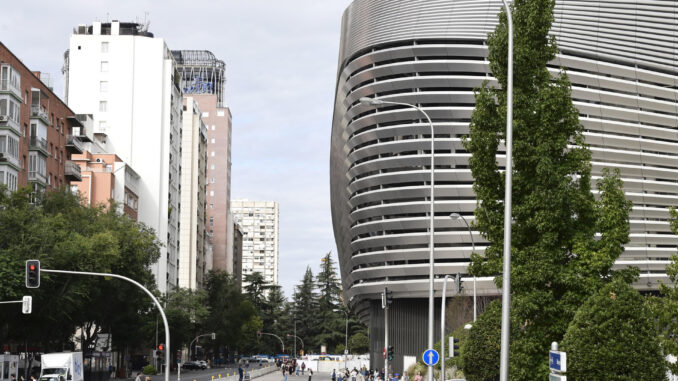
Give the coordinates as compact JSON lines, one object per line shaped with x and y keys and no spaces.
{"x":430,"y":357}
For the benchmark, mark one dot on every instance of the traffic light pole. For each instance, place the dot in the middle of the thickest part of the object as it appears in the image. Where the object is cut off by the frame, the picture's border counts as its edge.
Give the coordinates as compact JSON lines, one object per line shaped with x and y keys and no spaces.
{"x":162,"y":312}
{"x":386,"y":377}
{"x":276,"y":336}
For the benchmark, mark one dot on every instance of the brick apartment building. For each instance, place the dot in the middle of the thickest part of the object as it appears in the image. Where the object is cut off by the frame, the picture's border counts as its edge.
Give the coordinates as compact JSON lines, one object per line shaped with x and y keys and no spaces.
{"x":38,"y":132}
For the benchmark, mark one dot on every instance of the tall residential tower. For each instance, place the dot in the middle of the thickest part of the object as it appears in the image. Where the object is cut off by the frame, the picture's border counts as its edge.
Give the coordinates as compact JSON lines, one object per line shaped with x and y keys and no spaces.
{"x":125,"y":78}
{"x":202,"y":78}
{"x":259,"y":223}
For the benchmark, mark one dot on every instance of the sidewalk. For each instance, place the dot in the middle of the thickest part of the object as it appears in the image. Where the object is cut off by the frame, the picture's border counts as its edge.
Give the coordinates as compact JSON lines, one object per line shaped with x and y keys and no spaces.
{"x":277,"y":376}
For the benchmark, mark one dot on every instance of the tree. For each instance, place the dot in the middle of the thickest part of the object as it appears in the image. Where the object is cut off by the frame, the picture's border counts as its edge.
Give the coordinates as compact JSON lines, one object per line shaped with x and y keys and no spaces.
{"x":556,"y":260}
{"x":64,"y":234}
{"x":359,"y":343}
{"x":255,"y":289}
{"x":305,"y":310}
{"x":186,"y":314}
{"x":612,"y":337}
{"x":330,"y":330}
{"x":480,"y":351}
{"x":664,"y":307}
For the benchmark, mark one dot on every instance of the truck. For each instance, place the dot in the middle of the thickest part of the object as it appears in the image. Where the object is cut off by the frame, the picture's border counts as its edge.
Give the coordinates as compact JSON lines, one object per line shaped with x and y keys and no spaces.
{"x":65,"y":366}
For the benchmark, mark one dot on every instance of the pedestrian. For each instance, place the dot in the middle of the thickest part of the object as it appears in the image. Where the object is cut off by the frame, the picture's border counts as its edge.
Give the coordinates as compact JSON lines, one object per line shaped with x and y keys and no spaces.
{"x":136,"y":379}
{"x":310,"y":374}
{"x":284,"y":372}
{"x":418,"y":377}
{"x":339,"y":378}
{"x":334,"y":375}
{"x":148,"y":378}
{"x":303,"y":368}
{"x":240,"y":372}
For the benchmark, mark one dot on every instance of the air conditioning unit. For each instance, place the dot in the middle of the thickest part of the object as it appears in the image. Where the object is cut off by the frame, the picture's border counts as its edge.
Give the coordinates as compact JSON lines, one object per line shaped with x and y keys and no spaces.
{"x":99,"y":160}
{"x":4,"y":118}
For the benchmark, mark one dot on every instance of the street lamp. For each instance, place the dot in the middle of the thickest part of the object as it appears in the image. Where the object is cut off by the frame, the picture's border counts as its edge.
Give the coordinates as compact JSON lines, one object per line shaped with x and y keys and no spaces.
{"x":346,"y":335}
{"x":506,"y":280}
{"x":378,"y":102}
{"x":456,"y":216}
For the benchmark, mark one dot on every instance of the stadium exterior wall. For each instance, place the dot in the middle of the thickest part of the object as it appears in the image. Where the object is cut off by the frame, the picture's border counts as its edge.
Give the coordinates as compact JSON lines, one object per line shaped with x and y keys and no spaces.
{"x":620,"y":58}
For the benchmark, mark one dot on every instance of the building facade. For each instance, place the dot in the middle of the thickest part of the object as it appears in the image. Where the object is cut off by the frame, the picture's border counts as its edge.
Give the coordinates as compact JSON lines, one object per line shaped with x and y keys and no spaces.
{"x":106,"y":177}
{"x":36,"y":130}
{"x":125,"y":78}
{"x":193,"y":233}
{"x":621,"y":60}
{"x":238,"y":235}
{"x":259,"y":223}
{"x":202,"y":77}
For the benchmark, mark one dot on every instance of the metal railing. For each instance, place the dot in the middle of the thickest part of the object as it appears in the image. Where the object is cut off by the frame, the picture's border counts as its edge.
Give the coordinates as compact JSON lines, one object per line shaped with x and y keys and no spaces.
{"x":74,"y":141}
{"x":72,"y":169}
{"x":38,"y":142}
{"x":40,"y":112}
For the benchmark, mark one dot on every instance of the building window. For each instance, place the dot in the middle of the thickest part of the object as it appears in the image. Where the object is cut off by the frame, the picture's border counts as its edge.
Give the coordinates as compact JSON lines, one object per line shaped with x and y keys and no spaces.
{"x":212,"y":193}
{"x":214,"y":127}
{"x":212,"y":153}
{"x":103,"y":86}
{"x":103,"y":106}
{"x":220,"y":113}
{"x":102,"y":126}
{"x":104,"y":66}
{"x":214,"y":140}
{"x":104,"y":47}
{"x":212,"y":180}
{"x":211,"y":206}
{"x":211,"y":221}
{"x":205,"y":114}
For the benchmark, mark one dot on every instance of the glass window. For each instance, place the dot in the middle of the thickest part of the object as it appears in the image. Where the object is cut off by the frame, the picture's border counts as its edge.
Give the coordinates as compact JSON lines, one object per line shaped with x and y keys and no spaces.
{"x":104,"y":66}
{"x":102,"y":125}
{"x":213,"y":140}
{"x":103,"y":105}
{"x":104,"y":47}
{"x":205,"y":114}
{"x":3,"y":107}
{"x":103,"y":86}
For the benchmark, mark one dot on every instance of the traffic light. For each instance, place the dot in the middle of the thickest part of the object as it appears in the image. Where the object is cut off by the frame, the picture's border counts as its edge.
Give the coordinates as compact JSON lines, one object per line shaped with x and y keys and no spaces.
{"x":32,"y":273}
{"x":457,"y":282}
{"x":258,"y":334}
{"x":390,"y":352}
{"x":389,"y":297}
{"x":454,"y":347}
{"x":161,"y":351}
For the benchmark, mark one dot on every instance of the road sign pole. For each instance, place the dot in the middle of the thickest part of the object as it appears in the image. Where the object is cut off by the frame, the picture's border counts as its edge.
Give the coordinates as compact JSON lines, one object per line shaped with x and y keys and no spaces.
{"x":385,"y":338}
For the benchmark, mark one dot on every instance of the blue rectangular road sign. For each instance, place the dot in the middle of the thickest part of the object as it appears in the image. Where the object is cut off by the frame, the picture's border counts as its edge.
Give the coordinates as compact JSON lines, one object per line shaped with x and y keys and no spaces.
{"x":558,"y":361}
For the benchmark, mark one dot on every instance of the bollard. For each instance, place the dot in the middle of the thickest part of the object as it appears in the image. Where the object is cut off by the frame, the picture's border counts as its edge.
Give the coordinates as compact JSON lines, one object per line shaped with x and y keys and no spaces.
{"x":220,"y":376}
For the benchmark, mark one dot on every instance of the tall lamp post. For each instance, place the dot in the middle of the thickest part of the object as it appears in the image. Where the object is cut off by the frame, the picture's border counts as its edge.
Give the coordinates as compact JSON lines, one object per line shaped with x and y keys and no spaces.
{"x":346,"y":335}
{"x":378,"y":102}
{"x":456,"y":216}
{"x":506,"y":280}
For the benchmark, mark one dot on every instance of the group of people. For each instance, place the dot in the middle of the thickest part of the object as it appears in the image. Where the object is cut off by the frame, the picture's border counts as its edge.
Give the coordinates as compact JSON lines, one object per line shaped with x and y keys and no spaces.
{"x":365,"y":374}
{"x":292,"y":367}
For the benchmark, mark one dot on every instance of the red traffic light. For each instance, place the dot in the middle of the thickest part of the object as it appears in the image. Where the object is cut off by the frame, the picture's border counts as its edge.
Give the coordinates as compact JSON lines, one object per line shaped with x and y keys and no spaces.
{"x":161,"y":347}
{"x":31,"y":267}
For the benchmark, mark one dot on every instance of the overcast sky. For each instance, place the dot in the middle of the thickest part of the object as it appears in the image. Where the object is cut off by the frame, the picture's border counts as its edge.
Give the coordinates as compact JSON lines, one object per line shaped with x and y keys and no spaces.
{"x":281,"y":63}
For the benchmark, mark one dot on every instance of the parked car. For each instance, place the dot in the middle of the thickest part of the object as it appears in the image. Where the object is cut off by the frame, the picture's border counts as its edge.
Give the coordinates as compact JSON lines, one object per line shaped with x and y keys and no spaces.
{"x":203,"y":364}
{"x":194,"y":365}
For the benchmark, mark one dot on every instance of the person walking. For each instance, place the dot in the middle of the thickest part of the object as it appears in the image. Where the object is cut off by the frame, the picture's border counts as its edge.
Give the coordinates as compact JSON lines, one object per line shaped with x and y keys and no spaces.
{"x":310,"y":374}
{"x":138,"y":377}
{"x":418,"y":377}
{"x":240,"y":372}
{"x":334,"y":375}
{"x":303,"y":367}
{"x":284,"y":372}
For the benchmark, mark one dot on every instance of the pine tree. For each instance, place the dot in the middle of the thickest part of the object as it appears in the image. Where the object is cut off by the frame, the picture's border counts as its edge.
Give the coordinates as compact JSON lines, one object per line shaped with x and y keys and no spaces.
{"x":305,"y":311}
{"x":556,"y":262}
{"x":331,"y":325}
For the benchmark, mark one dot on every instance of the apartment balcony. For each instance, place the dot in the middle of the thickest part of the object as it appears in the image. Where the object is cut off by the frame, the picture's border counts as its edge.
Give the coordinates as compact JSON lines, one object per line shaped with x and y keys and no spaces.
{"x":72,"y":171}
{"x":38,"y":144}
{"x":73,"y":144}
{"x":40,"y":113}
{"x":7,"y":121}
{"x":6,"y":86}
{"x":36,"y":176}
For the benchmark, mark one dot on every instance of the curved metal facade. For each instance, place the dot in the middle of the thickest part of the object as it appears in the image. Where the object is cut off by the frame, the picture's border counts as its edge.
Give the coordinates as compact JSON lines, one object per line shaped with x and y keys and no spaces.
{"x":621,"y":58}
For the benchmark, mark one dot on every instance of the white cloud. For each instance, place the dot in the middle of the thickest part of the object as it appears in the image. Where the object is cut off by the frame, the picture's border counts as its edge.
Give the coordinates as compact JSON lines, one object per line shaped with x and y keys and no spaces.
{"x":281,"y":62}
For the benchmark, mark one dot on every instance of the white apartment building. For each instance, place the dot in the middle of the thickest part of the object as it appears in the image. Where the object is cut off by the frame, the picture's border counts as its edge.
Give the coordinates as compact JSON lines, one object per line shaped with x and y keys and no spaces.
{"x":125,"y":77}
{"x":192,"y":233}
{"x":259,"y":222}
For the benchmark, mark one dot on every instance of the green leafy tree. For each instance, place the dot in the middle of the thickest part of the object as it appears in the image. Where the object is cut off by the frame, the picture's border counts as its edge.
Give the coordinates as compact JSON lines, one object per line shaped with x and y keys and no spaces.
{"x":612,"y":337}
{"x":556,"y":260}
{"x":359,"y":343}
{"x":64,"y":234}
{"x":480,"y":352}
{"x":665,"y":305}
{"x":186,"y":314}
